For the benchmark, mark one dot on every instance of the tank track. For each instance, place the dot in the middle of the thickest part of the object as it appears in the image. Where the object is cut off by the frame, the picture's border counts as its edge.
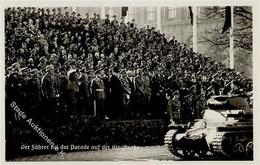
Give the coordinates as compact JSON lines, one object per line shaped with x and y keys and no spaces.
{"x":169,"y":141}
{"x":228,"y":140}
{"x":217,"y":143}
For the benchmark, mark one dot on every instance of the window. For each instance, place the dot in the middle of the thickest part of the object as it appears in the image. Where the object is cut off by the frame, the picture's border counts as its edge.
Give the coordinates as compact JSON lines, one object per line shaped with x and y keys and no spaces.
{"x":130,"y":14}
{"x":171,"y":12}
{"x":151,"y":13}
{"x":187,"y":12}
{"x":111,"y":13}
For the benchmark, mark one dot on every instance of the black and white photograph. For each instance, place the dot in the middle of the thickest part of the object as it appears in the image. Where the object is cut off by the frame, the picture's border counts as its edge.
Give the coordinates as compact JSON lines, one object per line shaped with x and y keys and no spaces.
{"x":116,"y":82}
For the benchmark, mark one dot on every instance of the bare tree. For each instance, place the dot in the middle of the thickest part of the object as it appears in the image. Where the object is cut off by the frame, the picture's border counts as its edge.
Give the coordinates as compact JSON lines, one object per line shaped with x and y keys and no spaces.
{"x":218,"y":43}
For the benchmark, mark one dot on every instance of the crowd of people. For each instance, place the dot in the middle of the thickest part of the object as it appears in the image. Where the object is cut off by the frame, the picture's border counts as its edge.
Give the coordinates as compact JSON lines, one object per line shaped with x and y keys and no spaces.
{"x":60,"y":66}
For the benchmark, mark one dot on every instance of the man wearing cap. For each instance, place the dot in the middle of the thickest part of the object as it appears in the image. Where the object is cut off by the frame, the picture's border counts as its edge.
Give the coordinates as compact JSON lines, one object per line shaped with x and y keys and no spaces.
{"x":107,"y":21}
{"x":158,"y":101}
{"x":114,"y":22}
{"x":48,"y":93}
{"x":147,"y":93}
{"x":174,"y":107}
{"x":106,"y":75}
{"x":97,"y":90}
{"x":15,"y":91}
{"x":215,"y":82}
{"x":187,"y":113}
{"x":72,"y":90}
{"x":132,"y":24}
{"x":116,"y":94}
{"x":139,"y":93}
{"x":63,"y":98}
{"x":126,"y":92}
{"x":195,"y":101}
{"x":84,"y":94}
{"x":33,"y":93}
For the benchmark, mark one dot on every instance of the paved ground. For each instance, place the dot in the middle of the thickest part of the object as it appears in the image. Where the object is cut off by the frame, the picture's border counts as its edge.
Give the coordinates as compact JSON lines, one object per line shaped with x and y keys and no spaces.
{"x":118,"y":154}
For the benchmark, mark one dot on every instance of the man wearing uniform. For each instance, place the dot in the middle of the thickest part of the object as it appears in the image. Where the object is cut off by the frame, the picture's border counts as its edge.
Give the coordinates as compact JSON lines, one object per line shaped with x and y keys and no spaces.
{"x":33,"y":93}
{"x":97,"y":89}
{"x":158,"y":103}
{"x":15,"y":91}
{"x":126,"y":92}
{"x":107,"y":21}
{"x":131,"y":80}
{"x":139,"y":93}
{"x":147,"y":93}
{"x":48,"y":92}
{"x":106,"y":75}
{"x":114,"y":22}
{"x":174,"y":107}
{"x":116,"y":94}
{"x":72,"y":91}
{"x":187,"y":113}
{"x":63,"y":98}
{"x":84,"y":94}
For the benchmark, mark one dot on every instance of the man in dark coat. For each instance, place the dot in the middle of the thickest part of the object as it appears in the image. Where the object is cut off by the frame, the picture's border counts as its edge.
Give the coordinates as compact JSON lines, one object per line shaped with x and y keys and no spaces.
{"x":15,"y":92}
{"x":107,"y":21}
{"x":116,"y":94}
{"x":157,"y":95}
{"x":49,"y":87}
{"x":106,"y":74}
{"x":33,"y":93}
{"x":63,"y":98}
{"x":84,"y":95}
{"x":72,"y":90}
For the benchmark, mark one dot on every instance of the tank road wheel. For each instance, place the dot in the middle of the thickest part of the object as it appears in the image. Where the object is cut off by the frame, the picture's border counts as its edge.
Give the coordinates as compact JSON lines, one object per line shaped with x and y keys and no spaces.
{"x":192,"y":154}
{"x":189,"y":153}
{"x":249,"y":150}
{"x":178,"y":152}
{"x":202,"y":154}
{"x":238,"y":149}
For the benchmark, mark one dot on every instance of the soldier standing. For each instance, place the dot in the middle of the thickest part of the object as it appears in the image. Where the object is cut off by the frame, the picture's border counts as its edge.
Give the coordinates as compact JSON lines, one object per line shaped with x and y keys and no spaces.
{"x":126,"y":92}
{"x":114,"y":22}
{"x":33,"y":93}
{"x":116,"y":94}
{"x":107,"y":21}
{"x":157,"y":95}
{"x":63,"y":106}
{"x":174,"y":107}
{"x":84,"y":94}
{"x":147,"y":94}
{"x":72,"y":90}
{"x":48,"y":92}
{"x":15,"y":91}
{"x":187,"y":114}
{"x":139,"y":94}
{"x":97,"y":89}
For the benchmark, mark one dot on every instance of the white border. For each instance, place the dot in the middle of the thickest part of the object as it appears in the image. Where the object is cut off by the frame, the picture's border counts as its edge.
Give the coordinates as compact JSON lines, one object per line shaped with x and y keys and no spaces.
{"x":140,"y":3}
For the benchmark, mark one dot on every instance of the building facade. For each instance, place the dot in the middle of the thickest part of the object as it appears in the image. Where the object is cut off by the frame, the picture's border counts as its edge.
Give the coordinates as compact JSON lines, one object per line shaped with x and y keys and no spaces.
{"x":173,"y":21}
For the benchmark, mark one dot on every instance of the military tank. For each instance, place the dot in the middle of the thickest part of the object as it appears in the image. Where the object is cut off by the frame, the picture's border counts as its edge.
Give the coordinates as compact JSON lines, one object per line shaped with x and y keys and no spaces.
{"x":224,"y":132}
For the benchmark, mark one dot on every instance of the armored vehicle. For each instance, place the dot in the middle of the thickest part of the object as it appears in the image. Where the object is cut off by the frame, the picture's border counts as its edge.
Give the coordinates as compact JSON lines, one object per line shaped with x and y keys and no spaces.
{"x":225,"y":131}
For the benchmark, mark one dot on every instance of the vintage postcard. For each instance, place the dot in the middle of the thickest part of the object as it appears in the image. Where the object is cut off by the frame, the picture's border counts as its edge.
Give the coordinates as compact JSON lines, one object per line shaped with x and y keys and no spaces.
{"x":122,"y":81}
